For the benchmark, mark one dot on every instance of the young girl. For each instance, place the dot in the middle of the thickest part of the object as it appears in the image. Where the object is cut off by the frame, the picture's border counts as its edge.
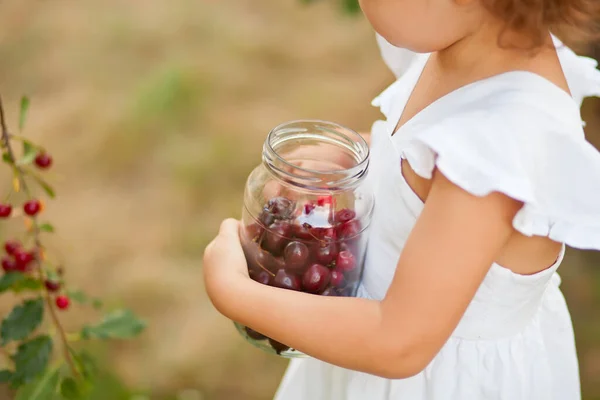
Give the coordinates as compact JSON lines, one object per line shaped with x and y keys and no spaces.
{"x":482,"y":176}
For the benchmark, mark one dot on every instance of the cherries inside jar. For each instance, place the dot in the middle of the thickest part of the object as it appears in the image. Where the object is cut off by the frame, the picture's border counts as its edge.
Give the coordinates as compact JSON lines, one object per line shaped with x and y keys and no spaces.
{"x":307,"y":209}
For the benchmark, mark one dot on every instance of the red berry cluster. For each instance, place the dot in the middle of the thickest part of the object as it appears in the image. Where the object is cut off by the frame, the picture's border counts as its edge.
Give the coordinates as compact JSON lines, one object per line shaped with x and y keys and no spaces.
{"x":19,"y":259}
{"x":309,"y":248}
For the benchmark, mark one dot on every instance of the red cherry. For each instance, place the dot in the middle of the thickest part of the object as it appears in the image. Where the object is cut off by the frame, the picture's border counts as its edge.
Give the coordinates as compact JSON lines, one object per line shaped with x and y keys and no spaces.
{"x":32,"y":207}
{"x":337,"y":278}
{"x":52,"y":286}
{"x":43,"y":160}
{"x":22,"y":259}
{"x":5,"y":210}
{"x":345,"y":261}
{"x":62,"y":302}
{"x":8,"y":264}
{"x":11,"y":246}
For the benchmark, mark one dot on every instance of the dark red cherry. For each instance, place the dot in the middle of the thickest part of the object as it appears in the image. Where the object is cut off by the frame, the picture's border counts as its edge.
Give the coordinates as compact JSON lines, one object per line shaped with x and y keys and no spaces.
{"x":329,"y":292}
{"x":266,"y":218}
{"x":344,"y":215}
{"x":253,"y":231}
{"x":325,"y":253}
{"x":302,"y":232}
{"x":281,"y":207}
{"x":262,"y":277}
{"x":345,"y":261}
{"x":296,"y":255}
{"x":316,"y":278}
{"x":286,"y":280}
{"x":277,"y":236}
{"x":348,"y":229}
{"x":337,"y":278}
{"x":8,"y":264}
{"x":308,"y":208}
{"x":278,"y":347}
{"x":253,"y":334}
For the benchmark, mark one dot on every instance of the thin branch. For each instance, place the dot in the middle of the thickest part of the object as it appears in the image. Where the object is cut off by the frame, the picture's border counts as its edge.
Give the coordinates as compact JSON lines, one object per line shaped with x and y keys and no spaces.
{"x":38,"y":244}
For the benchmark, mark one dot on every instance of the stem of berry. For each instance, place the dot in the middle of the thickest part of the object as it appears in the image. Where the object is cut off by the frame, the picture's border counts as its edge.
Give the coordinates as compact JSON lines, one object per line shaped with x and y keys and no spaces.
{"x":20,"y":175}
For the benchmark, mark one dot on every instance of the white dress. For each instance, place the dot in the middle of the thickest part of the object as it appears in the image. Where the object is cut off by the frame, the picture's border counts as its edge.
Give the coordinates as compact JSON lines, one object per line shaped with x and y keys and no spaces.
{"x":516,"y":133}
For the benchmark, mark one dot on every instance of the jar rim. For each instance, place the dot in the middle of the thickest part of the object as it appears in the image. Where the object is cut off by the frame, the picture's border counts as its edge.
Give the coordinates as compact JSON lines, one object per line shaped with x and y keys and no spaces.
{"x":349,"y":176}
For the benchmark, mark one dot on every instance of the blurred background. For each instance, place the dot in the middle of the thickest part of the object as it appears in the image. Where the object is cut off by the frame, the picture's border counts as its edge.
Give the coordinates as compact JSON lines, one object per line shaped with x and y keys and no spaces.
{"x":155,"y":113}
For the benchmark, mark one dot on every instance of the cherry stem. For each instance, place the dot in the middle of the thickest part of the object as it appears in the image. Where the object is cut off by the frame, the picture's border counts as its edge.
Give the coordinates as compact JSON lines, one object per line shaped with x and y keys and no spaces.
{"x":36,"y":234}
{"x":263,"y":267}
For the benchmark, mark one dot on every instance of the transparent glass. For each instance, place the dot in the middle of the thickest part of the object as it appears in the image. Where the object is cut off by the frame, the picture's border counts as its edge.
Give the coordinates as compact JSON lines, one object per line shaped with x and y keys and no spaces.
{"x":306,"y":214}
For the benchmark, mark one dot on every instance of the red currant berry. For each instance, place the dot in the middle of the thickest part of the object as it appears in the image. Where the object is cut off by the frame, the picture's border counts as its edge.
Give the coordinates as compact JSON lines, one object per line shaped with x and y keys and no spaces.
{"x":43,"y":160}
{"x":11,"y":246}
{"x":8,"y":264}
{"x":52,"y":286}
{"x":32,"y":207}
{"x":5,"y":210}
{"x":62,"y":302}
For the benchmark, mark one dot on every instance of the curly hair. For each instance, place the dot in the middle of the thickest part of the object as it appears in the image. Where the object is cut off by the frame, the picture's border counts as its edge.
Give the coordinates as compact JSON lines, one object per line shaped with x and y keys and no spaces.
{"x":573,"y":21}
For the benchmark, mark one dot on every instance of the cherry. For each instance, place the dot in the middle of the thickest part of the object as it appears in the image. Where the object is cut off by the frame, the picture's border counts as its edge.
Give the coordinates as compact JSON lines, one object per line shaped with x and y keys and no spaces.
{"x":325,"y":234}
{"x":254,"y":335}
{"x":325,"y":253}
{"x":348,"y":229}
{"x":277,"y":236}
{"x":296,"y":255}
{"x":302,"y":232}
{"x":286,"y":280}
{"x":345,"y":261}
{"x":262,"y":277}
{"x":52,"y":286}
{"x":344,"y":215}
{"x":43,"y":160}
{"x":329,"y":292}
{"x":5,"y":210}
{"x":279,"y":347}
{"x":253,"y":231}
{"x":22,"y":259}
{"x":32,"y":207}
{"x":266,"y":218}
{"x":337,"y":278}
{"x":11,"y":246}
{"x":315,"y":278}
{"x":62,"y":302}
{"x":8,"y":264}
{"x":281,"y":207}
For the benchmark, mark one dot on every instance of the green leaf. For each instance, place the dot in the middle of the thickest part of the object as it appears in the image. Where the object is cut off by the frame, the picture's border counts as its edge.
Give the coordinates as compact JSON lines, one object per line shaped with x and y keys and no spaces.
{"x":46,"y":227}
{"x":43,"y":388}
{"x":70,"y":389}
{"x":9,"y":280}
{"x":120,"y":324}
{"x":22,"y":320}
{"x":23,"y":112}
{"x":5,"y":376}
{"x":47,"y":188}
{"x":85,"y":364}
{"x":6,"y":158}
{"x":31,"y":359}
{"x":27,"y":283}
{"x":29,"y":153}
{"x":97,"y":304}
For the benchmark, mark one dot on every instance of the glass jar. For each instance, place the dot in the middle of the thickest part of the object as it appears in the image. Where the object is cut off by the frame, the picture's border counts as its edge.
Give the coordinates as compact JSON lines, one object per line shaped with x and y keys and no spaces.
{"x":306,"y":213}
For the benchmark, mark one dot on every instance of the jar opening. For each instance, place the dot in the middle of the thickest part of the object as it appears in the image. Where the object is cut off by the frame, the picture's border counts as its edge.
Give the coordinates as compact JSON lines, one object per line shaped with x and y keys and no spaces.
{"x":317,"y":155}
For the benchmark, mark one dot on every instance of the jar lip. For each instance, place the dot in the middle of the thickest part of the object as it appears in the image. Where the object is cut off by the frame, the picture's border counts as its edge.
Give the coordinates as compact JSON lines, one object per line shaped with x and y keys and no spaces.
{"x":356,"y":170}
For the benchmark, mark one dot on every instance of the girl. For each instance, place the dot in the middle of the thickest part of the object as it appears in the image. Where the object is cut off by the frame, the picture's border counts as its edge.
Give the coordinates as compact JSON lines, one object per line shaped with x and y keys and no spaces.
{"x":482,"y":176}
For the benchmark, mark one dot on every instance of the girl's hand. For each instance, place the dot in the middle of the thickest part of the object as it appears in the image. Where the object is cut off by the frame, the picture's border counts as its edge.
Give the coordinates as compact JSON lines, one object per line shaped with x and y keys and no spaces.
{"x":224,"y":264}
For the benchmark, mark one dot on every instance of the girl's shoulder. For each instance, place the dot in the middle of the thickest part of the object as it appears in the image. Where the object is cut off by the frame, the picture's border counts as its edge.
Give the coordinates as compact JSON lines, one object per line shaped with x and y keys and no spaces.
{"x":518,"y":134}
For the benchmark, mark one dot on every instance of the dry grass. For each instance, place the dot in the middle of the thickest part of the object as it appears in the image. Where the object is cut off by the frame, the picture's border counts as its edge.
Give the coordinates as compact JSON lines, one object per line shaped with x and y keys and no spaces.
{"x":156,"y":112}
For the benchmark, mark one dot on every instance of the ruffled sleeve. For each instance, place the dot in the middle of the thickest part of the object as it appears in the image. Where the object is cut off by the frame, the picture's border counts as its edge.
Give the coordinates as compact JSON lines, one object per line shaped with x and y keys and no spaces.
{"x":523,"y":153}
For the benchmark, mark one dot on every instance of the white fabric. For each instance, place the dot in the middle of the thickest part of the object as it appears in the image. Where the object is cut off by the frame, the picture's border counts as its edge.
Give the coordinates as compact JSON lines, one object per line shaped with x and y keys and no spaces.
{"x":516,"y":133}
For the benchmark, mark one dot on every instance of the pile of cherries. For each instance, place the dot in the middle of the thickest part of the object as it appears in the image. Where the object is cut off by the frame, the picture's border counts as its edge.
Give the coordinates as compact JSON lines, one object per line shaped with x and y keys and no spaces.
{"x":311,"y":248}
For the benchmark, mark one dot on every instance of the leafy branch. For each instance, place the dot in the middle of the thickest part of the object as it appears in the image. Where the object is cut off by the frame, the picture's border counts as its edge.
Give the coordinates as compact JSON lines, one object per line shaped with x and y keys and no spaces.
{"x":26,"y":349}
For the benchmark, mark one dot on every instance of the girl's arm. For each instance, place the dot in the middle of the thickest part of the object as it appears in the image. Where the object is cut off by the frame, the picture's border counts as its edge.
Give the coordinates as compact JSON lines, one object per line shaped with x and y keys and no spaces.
{"x":451,"y":248}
